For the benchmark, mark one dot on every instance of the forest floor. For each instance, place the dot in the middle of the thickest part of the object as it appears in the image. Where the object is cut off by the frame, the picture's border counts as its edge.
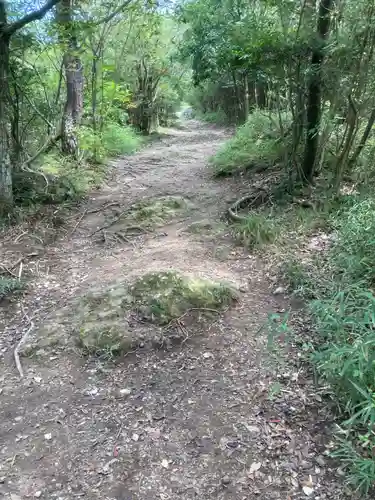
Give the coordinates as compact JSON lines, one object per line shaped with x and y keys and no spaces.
{"x":211,"y":418}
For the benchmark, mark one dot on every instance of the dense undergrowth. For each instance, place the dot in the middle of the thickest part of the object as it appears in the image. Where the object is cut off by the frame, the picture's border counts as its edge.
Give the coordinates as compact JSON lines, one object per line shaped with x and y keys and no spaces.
{"x":325,"y":241}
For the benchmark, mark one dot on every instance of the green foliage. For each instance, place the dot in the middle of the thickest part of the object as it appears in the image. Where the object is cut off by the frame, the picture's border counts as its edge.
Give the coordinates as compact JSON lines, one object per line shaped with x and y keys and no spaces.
{"x":354,"y":251}
{"x":118,"y":140}
{"x":215,"y":117}
{"x":58,"y":179}
{"x":343,"y":312}
{"x":256,"y":144}
{"x":8,"y":286}
{"x":256,"y":230}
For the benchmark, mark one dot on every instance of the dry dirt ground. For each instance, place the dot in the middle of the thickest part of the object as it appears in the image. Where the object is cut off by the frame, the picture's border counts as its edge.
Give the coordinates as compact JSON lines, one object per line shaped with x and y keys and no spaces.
{"x":212,"y":418}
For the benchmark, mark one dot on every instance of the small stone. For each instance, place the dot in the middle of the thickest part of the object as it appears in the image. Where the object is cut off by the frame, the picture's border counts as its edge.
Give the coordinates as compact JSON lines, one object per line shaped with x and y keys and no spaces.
{"x":125,"y":392}
{"x":38,"y":379}
{"x":307,"y":491}
{"x":165,"y":463}
{"x":226,"y":480}
{"x":135,"y":437}
{"x":279,"y":290}
{"x":255,"y":466}
{"x":320,"y":461}
{"x":207,"y":355}
{"x":48,"y":436}
{"x":37,"y":494}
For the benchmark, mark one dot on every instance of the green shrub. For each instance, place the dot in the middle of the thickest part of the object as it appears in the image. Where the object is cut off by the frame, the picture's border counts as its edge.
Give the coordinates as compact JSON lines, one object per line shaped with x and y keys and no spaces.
{"x":256,"y":230}
{"x":256,"y":144}
{"x":9,"y":286}
{"x":215,"y":117}
{"x":344,"y":318}
{"x":354,"y":251}
{"x":119,"y":140}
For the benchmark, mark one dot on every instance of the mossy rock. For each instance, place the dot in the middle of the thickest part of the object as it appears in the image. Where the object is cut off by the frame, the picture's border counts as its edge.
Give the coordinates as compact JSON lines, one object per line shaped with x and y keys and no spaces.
{"x":163,"y":296}
{"x":155,"y":211}
{"x":102,"y":326}
{"x":98,"y":322}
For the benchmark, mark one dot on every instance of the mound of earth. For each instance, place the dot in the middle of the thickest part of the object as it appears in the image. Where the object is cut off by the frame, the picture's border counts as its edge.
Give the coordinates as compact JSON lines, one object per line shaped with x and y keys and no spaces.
{"x":102,"y":320}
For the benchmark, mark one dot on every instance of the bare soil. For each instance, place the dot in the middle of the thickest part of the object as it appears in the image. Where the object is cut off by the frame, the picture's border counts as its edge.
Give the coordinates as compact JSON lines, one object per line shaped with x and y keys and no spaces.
{"x":214,"y":417}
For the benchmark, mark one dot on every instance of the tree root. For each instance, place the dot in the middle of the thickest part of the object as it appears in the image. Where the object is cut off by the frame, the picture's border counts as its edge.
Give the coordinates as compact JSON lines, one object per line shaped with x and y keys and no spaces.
{"x":252,"y":200}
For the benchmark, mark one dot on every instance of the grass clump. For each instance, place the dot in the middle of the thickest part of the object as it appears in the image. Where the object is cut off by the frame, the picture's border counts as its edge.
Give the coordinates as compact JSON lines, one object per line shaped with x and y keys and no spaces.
{"x":164,"y":296}
{"x":256,"y":230}
{"x":343,"y":311}
{"x":255,"y":144}
{"x":8,"y":286}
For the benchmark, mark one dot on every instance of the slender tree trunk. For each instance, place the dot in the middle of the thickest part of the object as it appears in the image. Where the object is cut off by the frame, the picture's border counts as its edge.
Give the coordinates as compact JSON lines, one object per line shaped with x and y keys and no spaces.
{"x":246,"y":97}
{"x":315,"y":92}
{"x":363,"y":140}
{"x":6,"y":192}
{"x":260,"y":95}
{"x":74,"y":80}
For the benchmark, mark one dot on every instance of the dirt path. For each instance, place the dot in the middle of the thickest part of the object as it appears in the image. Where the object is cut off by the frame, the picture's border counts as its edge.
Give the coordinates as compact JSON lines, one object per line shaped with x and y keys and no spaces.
{"x":207,"y":419}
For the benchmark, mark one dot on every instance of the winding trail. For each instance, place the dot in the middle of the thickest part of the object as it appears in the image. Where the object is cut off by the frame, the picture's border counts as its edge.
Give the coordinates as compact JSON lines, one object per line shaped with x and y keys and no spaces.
{"x":211,"y":419}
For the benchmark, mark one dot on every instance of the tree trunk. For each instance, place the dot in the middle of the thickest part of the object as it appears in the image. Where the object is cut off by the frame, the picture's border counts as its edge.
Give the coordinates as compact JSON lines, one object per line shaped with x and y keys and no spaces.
{"x":6,"y":192}
{"x":74,"y":80}
{"x":363,"y":140}
{"x":246,"y":97}
{"x":260,"y":95}
{"x":315,"y":93}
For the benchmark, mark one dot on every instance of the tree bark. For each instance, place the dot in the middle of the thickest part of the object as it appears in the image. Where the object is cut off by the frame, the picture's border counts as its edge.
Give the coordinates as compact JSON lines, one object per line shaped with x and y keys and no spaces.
{"x":315,"y":92}
{"x":6,"y":32}
{"x":6,"y":192}
{"x":363,"y":140}
{"x":74,"y":80}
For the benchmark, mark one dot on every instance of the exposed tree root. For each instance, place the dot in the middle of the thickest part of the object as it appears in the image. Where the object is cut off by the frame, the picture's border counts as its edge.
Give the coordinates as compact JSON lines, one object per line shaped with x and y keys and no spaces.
{"x":252,"y":200}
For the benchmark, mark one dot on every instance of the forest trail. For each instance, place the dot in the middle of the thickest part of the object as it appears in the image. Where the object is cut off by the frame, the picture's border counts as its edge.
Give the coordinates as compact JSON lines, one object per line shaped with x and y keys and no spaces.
{"x":200,"y":420}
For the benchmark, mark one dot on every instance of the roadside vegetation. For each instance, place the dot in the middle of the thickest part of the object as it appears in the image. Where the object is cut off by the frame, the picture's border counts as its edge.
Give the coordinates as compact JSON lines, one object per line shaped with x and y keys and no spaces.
{"x":298,"y":82}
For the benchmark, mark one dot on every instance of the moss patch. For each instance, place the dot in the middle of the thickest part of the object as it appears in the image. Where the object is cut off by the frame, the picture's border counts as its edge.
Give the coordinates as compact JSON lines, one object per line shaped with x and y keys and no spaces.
{"x":163,"y":296}
{"x":153,"y":212}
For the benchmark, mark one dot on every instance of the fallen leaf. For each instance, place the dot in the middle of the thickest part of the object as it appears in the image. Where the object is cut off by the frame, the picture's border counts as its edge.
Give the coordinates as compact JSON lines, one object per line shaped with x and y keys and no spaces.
{"x":254,"y":467}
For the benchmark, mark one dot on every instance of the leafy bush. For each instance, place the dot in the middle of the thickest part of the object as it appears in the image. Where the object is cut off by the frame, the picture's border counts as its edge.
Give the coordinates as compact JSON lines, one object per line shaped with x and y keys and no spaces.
{"x":256,"y":144}
{"x":9,"y":285}
{"x":354,"y":251}
{"x":344,"y":317}
{"x":216,"y":117}
{"x":118,"y":140}
{"x":256,"y":230}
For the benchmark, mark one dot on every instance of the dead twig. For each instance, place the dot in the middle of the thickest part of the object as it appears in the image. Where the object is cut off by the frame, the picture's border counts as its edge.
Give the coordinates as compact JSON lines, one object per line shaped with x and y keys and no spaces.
{"x":7,"y":270}
{"x":78,"y":223}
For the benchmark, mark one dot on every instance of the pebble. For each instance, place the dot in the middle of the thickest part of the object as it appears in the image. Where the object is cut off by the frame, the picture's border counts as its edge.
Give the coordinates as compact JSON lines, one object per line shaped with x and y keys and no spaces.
{"x":226,"y":480}
{"x":279,"y":290}
{"x":125,"y":392}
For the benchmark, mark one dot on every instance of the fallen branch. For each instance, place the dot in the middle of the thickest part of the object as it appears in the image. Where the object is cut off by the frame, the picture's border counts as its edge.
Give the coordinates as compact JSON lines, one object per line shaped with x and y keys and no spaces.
{"x":78,"y":223}
{"x":252,"y":200}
